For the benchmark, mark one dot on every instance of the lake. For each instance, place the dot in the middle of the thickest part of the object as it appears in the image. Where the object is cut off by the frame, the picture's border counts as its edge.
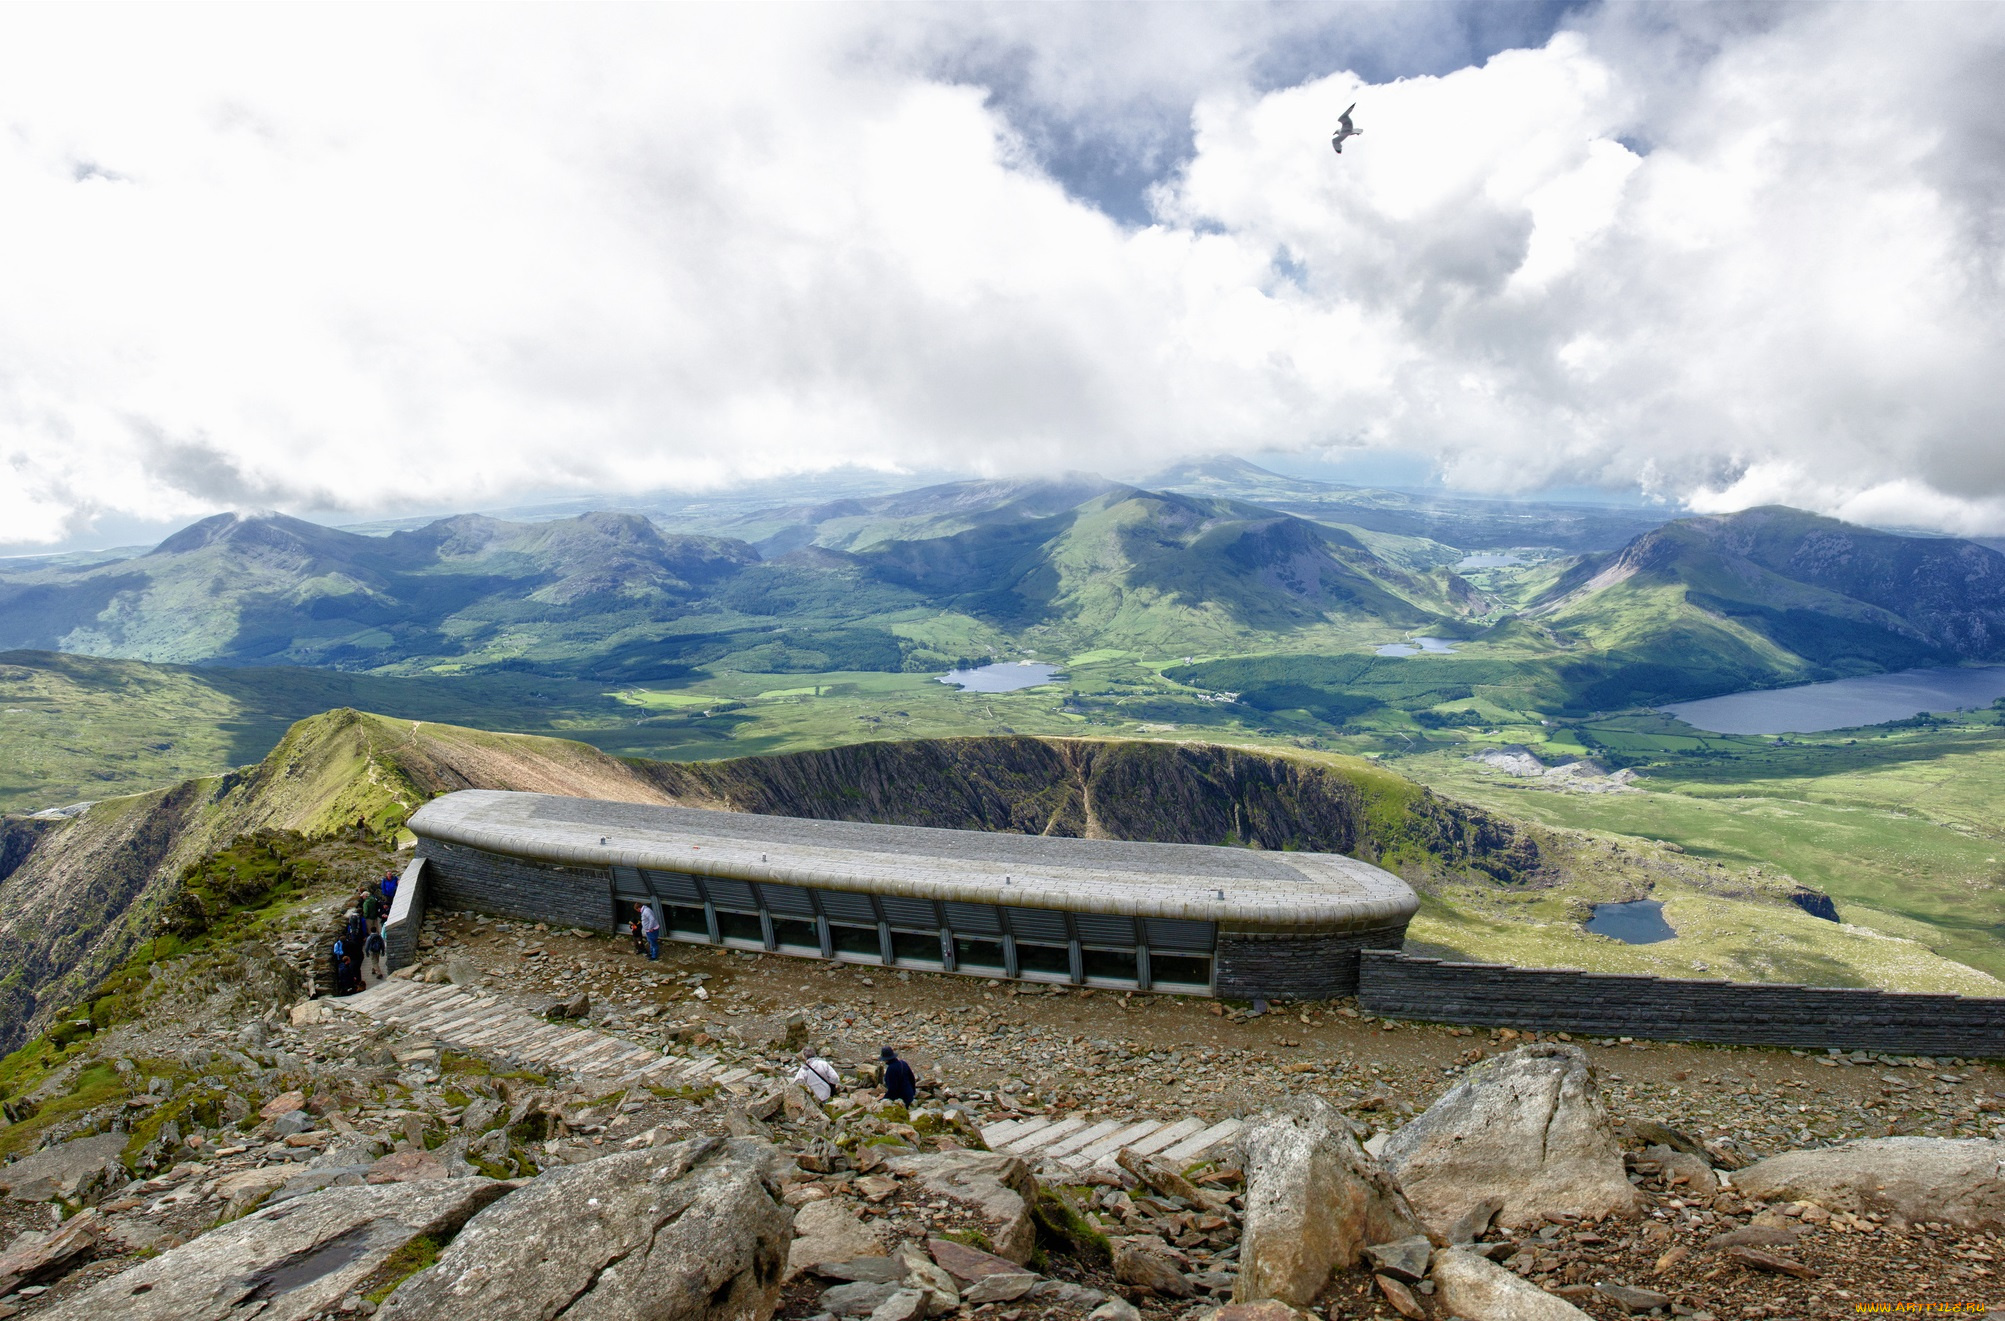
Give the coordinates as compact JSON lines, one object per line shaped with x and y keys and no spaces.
{"x":1488,"y":561}
{"x":1416,"y":647}
{"x":1002,"y":677}
{"x":1870,"y":699}
{"x":1638,"y":923}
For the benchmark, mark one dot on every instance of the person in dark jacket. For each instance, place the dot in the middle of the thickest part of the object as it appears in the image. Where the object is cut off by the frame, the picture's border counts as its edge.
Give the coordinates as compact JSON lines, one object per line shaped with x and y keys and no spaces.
{"x":899,"y":1082}
{"x":339,"y":956}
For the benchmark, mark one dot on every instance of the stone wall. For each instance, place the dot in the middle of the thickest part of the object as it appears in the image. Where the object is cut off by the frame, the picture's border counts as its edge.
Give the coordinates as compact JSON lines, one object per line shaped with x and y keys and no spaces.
{"x":1398,"y":985}
{"x":406,"y":918}
{"x":474,"y":879}
{"x":1319,"y":967}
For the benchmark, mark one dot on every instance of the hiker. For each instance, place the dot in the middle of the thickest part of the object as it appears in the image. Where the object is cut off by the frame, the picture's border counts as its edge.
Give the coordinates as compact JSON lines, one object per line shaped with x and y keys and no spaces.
{"x":900,"y":1084}
{"x":817,"y":1075}
{"x":650,"y":926}
{"x":351,"y":973}
{"x":389,"y":888}
{"x":340,"y":957}
{"x":357,"y":931}
{"x":633,"y":929}
{"x":372,"y":909}
{"x":373,"y":950}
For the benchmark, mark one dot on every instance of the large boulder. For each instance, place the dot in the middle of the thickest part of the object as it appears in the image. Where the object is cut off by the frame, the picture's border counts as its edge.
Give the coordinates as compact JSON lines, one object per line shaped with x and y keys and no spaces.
{"x":1470,"y":1286}
{"x":68,"y":1170}
{"x":1314,"y":1199}
{"x":999,"y":1186}
{"x":1958,"y":1181}
{"x":1528,"y":1128}
{"x":286,"y":1263}
{"x":831,"y":1230}
{"x":693,"y":1231}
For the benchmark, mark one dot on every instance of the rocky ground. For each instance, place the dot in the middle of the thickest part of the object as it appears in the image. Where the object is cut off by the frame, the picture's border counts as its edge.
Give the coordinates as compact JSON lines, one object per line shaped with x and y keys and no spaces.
{"x":223,"y":1104}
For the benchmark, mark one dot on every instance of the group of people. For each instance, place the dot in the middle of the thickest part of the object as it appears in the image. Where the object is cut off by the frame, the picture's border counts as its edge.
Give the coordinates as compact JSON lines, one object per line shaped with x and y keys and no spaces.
{"x":823,"y":1080}
{"x":360,"y":945}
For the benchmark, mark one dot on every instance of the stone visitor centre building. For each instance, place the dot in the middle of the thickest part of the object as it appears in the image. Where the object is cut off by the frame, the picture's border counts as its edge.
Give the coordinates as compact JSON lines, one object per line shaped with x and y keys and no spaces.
{"x":1182,"y":918}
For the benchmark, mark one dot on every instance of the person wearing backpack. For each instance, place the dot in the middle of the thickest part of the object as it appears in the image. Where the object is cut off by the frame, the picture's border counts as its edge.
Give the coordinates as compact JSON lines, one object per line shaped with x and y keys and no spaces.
{"x":817,"y":1075}
{"x":373,"y":950}
{"x":339,"y":955}
{"x":650,"y":926}
{"x":372,"y":909}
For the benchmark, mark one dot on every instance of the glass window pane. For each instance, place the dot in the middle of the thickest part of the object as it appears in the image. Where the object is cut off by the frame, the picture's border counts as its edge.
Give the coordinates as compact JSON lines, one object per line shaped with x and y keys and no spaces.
{"x":855,"y":940}
{"x":986,"y":955}
{"x":1179,"y":969}
{"x":916,"y":947}
{"x":799,"y":934}
{"x":1044,"y":958}
{"x":1112,"y":964}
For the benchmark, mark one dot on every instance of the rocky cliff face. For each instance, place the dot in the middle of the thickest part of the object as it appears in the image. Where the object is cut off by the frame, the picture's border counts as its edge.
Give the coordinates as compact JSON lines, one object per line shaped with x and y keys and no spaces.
{"x":1178,"y":793}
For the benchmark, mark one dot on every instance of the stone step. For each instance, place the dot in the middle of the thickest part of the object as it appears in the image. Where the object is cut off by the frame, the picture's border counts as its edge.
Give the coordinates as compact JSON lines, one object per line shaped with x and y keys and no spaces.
{"x":1164,"y":1137}
{"x":1081,"y":1140}
{"x":997,"y":1135}
{"x":1183,"y":1153}
{"x":1113,"y":1142}
{"x":1023,"y":1146}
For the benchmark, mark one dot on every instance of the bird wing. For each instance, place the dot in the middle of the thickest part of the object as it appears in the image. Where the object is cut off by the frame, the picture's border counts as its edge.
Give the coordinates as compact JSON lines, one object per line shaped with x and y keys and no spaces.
{"x":1345,"y":118}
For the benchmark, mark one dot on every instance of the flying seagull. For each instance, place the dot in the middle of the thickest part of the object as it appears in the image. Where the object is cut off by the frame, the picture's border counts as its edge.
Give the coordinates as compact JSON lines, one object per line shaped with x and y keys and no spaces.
{"x":1345,"y":129}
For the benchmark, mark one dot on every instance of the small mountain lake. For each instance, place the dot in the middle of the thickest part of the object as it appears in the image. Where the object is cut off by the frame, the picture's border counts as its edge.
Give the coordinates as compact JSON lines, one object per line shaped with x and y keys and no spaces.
{"x":1640,"y":922}
{"x":1001,"y":677}
{"x":1488,"y":561}
{"x":1417,"y":647}
{"x":1870,"y":699}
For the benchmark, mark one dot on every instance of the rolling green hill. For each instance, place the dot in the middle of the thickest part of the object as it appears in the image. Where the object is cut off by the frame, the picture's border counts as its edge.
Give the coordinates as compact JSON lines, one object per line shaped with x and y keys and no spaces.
{"x":613,"y":598}
{"x":1769,"y":596}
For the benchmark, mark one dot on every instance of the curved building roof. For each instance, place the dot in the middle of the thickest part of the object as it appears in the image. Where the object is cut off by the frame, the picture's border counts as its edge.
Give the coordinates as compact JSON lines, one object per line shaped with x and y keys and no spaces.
{"x":1237,"y":888}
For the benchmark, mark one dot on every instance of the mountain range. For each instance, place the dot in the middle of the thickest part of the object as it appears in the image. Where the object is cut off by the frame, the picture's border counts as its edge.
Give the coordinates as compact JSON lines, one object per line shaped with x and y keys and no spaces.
{"x":922,"y":579}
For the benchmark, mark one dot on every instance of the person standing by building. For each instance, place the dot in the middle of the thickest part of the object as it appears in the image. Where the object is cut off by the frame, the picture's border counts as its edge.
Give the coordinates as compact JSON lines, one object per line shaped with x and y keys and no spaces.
{"x":900,"y":1083}
{"x":373,"y":950}
{"x":372,"y":908}
{"x":650,"y":927}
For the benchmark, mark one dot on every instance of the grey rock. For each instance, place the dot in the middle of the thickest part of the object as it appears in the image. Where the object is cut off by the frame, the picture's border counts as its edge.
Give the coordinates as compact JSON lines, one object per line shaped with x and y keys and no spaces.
{"x":1697,"y":1171}
{"x":999,"y":1186}
{"x":831,"y":1230}
{"x":903,"y":1305}
{"x":687,"y":1232}
{"x":287,"y":1262}
{"x":1313,"y":1200}
{"x":1403,"y":1259}
{"x":1002,"y":1287}
{"x":1474,"y":1221}
{"x":291,"y":1122}
{"x":1529,"y":1127}
{"x":1959,"y":1181}
{"x":325,"y":1176}
{"x":1466,"y":1285}
{"x":1064,"y":1293}
{"x":1632,"y":1299}
{"x":69,"y":1170}
{"x":1114,"y":1309}
{"x":859,"y":1298}
{"x":1146,"y":1263}
{"x":873,"y":1270}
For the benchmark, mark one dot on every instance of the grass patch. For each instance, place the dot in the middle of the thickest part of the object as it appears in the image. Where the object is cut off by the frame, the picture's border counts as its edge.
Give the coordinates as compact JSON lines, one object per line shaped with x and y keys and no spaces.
{"x":420,"y":1253}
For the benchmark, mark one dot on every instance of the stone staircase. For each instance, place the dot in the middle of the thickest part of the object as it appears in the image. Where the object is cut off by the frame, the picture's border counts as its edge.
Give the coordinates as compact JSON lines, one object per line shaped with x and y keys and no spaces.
{"x":480,"y":1024}
{"x":1077,"y":1145}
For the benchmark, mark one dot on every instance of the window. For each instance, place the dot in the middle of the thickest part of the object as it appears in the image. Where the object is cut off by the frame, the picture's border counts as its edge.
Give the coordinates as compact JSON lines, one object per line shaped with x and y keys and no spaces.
{"x":912,"y":947}
{"x":974,"y":955}
{"x":741,"y":926}
{"x":855,"y":940}
{"x":1166,"y":970}
{"x":1053,"y":959}
{"x":795,"y":934}
{"x":1110,"y":965}
{"x":686,"y":922}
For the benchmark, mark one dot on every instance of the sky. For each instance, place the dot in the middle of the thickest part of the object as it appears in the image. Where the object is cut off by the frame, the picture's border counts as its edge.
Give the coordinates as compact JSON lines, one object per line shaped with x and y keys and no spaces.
{"x":352,"y":261}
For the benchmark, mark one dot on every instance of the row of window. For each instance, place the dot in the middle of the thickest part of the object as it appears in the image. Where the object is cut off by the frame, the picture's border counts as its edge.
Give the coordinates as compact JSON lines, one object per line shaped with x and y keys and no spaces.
{"x":1031,"y":944}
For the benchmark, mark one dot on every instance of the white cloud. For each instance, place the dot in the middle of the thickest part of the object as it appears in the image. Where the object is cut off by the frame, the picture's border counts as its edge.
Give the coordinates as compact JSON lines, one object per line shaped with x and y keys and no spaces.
{"x":357,"y":257}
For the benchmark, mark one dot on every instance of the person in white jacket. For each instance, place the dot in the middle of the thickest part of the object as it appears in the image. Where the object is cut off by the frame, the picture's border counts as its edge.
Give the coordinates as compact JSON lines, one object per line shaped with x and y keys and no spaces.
{"x":818,"y":1076}
{"x":650,"y":927}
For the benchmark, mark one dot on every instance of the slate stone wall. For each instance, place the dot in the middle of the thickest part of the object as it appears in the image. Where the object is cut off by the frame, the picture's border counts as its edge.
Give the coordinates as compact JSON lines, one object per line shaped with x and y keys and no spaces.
{"x":1294,"y":967}
{"x":406,"y":918}
{"x":467,"y":878}
{"x":1398,"y":985}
